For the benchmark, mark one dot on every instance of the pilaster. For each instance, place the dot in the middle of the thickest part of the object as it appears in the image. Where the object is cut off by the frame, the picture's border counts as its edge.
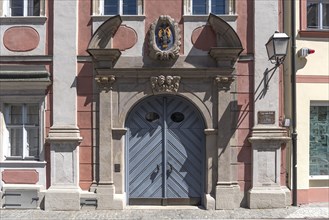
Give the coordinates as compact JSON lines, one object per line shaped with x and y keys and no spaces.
{"x":107,"y":198}
{"x":267,"y":136}
{"x":227,"y":189}
{"x":64,"y":135}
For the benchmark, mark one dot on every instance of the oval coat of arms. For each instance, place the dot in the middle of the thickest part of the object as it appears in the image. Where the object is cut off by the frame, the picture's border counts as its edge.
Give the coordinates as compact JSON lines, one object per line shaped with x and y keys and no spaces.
{"x":164,"y":40}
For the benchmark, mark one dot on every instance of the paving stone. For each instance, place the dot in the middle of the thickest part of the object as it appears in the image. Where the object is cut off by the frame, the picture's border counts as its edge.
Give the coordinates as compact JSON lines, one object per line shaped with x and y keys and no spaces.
{"x":320,"y":211}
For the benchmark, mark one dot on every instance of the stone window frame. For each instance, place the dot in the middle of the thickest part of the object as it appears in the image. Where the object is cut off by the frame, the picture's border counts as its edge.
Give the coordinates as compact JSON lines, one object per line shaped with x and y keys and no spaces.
{"x":5,"y":9}
{"x":229,"y":7}
{"x":98,"y":8}
{"x":306,"y":32}
{"x":312,"y":104}
{"x":30,"y":99}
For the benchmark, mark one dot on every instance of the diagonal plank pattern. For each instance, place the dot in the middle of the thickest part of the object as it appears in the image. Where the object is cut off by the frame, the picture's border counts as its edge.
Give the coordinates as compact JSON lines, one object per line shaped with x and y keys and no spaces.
{"x":165,"y":156}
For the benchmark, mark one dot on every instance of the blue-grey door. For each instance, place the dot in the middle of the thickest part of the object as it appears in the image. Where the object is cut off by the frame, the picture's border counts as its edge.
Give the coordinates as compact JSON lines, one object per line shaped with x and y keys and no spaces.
{"x":165,"y":152}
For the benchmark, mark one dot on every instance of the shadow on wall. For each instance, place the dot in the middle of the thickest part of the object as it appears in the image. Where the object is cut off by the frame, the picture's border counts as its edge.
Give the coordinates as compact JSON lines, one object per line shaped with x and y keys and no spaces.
{"x":203,"y":39}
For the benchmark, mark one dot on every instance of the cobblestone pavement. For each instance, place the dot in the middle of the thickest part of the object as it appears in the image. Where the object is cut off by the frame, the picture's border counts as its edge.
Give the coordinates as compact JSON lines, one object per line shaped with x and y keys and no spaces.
{"x":318,"y":211}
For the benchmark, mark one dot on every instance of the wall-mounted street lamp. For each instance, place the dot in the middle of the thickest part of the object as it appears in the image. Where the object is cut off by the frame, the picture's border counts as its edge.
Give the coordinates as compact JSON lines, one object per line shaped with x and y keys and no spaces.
{"x":277,"y":47}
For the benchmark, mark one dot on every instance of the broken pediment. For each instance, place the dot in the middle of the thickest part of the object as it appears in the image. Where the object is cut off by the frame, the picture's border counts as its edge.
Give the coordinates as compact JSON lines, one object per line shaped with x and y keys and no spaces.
{"x":228,"y":44}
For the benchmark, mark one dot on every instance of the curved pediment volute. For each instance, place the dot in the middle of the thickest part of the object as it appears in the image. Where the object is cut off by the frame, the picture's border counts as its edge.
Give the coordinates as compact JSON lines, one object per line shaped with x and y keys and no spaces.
{"x":100,"y":46}
{"x":226,"y":35}
{"x":228,"y":46}
{"x":102,"y":38}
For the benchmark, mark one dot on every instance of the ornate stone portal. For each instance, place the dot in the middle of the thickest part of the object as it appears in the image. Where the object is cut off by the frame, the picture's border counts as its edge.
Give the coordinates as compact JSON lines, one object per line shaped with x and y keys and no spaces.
{"x":122,"y":85}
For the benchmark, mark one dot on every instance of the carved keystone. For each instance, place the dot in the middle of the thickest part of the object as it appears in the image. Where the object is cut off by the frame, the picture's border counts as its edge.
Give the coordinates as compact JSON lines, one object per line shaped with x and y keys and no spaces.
{"x":165,"y":83}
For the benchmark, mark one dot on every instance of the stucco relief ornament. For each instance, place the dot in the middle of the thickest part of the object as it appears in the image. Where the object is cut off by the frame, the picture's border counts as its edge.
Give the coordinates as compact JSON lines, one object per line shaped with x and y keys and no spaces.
{"x":164,"y":39}
{"x":105,"y":82}
{"x":224,"y":82}
{"x":165,"y":83}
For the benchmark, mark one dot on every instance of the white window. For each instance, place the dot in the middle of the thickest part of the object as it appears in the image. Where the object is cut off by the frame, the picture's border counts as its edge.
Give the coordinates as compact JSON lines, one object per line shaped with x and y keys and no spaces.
{"x":204,"y":7}
{"x":319,"y":140}
{"x":22,"y":139}
{"x":318,"y":14}
{"x":22,"y":7}
{"x":122,"y":7}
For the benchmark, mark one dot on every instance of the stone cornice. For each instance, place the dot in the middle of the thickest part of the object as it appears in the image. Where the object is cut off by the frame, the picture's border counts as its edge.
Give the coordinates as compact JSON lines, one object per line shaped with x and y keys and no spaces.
{"x":148,"y":72}
{"x":225,"y":56}
{"x":104,"y":58}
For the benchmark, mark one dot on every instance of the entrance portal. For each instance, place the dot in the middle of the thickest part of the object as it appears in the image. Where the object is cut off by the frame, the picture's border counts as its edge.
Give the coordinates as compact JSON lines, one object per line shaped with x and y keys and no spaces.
{"x":165,"y":152}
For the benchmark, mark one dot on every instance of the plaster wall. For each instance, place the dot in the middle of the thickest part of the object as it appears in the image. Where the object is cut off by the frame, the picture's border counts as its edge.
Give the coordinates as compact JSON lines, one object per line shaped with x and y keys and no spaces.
{"x":38,"y":25}
{"x":65,"y":63}
{"x":85,"y":110}
{"x":84,"y":26}
{"x":312,"y":75}
{"x":314,"y":64}
{"x":303,"y":127}
{"x":266,"y":15}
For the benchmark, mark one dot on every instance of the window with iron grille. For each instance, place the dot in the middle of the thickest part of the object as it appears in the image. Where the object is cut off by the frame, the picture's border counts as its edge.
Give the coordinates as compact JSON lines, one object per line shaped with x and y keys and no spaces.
{"x":319,"y":140}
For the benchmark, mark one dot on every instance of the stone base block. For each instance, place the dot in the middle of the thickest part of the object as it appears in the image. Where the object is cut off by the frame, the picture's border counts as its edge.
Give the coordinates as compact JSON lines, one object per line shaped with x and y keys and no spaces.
{"x":266,"y":198}
{"x":288,"y":195}
{"x":227,"y":196}
{"x":1,"y":198}
{"x":209,"y":202}
{"x":107,"y":199}
{"x":62,"y":200}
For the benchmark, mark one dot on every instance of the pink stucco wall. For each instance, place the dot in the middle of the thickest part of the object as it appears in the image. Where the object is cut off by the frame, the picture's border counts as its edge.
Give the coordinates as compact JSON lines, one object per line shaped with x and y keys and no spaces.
{"x":245,"y":90}
{"x":84,"y":28}
{"x":85,"y":122}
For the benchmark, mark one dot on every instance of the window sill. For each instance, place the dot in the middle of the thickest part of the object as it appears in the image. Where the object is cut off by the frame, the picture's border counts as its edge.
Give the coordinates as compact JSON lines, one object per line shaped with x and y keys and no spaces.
{"x":314,"y":33}
{"x":97,"y":18}
{"x":319,"y":177}
{"x":22,"y":163}
{"x":204,"y":18}
{"x":23,"y":20}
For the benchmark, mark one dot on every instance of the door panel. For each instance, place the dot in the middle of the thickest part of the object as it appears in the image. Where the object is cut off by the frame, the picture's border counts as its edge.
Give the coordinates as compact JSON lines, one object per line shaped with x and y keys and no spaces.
{"x":165,"y":155}
{"x":145,"y":152}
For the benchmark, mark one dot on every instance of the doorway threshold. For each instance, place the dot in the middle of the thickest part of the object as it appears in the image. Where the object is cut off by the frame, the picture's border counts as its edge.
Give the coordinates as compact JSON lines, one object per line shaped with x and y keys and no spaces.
{"x":172,"y":207}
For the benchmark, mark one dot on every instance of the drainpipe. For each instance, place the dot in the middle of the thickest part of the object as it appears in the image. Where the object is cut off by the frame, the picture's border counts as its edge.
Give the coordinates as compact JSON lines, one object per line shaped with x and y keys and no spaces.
{"x":293,"y":102}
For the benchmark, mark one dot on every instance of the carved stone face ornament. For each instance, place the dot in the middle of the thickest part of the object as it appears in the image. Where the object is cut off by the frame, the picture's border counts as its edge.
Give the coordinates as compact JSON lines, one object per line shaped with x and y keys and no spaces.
{"x":164,"y":40}
{"x":162,"y":83}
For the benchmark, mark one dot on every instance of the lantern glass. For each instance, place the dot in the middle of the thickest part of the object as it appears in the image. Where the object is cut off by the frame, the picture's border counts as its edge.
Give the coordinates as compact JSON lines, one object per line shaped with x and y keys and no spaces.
{"x":270,"y":49}
{"x":280,"y":45}
{"x":277,"y":47}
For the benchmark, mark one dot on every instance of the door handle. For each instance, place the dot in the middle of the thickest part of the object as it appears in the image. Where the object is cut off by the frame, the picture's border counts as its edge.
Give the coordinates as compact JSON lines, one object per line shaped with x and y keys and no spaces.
{"x":170,"y":168}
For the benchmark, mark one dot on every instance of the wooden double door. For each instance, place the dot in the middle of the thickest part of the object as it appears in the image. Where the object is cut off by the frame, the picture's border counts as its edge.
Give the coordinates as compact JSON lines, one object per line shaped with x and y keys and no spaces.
{"x":165,"y":152}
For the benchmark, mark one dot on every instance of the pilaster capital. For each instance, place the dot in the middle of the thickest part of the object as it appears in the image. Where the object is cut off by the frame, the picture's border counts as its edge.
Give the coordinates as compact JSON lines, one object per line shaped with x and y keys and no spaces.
{"x":105,"y":82}
{"x":224,"y":82}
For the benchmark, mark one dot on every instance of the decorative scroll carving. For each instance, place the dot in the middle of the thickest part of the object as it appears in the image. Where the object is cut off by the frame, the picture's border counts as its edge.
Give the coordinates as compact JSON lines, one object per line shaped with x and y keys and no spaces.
{"x":105,"y":82}
{"x":164,"y":41}
{"x":224,"y":82}
{"x":165,"y":83}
